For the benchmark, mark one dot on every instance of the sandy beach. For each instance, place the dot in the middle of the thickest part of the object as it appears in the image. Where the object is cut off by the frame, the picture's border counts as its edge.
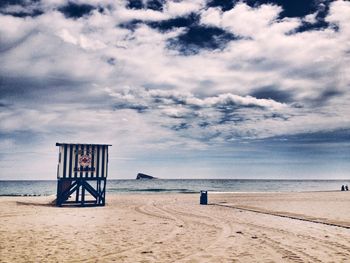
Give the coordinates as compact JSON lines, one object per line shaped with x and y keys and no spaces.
{"x":236,"y":227}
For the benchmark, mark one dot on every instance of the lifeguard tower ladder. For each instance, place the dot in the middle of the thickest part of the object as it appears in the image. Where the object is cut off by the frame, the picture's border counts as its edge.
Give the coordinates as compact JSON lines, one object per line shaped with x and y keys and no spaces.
{"x":82,"y":174}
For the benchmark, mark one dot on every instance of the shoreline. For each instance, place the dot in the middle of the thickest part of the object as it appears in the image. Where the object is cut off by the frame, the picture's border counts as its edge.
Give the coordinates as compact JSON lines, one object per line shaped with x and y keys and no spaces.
{"x":188,"y":192}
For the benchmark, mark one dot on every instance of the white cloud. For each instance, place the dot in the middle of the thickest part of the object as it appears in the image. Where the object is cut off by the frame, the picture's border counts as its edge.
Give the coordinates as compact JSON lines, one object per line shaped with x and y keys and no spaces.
{"x":339,"y":14}
{"x":181,"y":8}
{"x":242,"y":20}
{"x":82,"y":41}
{"x":124,"y":15}
{"x":212,"y":16}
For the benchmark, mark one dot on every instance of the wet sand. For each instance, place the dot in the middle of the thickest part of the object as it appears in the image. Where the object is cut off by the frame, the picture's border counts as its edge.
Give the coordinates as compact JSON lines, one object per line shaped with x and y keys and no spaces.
{"x":238,"y":227}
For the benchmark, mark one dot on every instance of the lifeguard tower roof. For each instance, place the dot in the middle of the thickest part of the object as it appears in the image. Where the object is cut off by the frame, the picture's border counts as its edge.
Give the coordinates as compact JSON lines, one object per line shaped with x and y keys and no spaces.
{"x":62,"y":143}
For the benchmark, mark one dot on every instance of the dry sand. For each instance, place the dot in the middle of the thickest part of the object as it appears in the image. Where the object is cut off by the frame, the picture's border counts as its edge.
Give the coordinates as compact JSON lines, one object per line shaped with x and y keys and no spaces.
{"x":175,"y":228}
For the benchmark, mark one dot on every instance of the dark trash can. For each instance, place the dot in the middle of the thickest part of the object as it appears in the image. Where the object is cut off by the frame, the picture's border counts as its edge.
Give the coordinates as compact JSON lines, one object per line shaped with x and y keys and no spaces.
{"x":204,"y":198}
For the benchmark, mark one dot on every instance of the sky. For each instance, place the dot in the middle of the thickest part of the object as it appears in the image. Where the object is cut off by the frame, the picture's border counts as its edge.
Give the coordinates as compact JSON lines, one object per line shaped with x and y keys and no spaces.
{"x":248,"y":89}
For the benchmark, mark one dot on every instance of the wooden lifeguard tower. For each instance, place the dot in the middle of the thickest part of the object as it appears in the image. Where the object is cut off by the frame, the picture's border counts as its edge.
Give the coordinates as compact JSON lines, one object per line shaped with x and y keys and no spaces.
{"x":82,"y":174}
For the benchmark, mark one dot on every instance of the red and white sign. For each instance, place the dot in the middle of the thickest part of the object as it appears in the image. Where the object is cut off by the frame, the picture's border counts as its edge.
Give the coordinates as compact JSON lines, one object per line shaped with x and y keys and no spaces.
{"x":85,"y":160}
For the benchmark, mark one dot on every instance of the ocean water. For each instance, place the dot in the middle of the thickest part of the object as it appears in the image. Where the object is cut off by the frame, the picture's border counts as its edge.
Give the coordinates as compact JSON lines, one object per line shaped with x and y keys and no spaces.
{"x":22,"y":188}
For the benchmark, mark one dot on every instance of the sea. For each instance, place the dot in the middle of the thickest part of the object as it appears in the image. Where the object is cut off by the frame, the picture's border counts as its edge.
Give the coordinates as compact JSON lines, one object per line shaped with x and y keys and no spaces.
{"x":45,"y":188}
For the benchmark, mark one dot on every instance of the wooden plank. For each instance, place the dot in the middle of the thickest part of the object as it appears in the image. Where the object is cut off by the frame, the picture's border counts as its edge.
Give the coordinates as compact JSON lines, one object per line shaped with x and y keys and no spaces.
{"x":81,"y":167}
{"x":65,"y":161}
{"x":82,"y":194}
{"x":64,"y":190}
{"x":77,"y":192}
{"x":58,"y":196}
{"x":103,"y":162}
{"x":92,"y":160}
{"x":90,"y":189}
{"x":76,"y":161}
{"x":70,"y":160}
{"x":87,"y":152}
{"x":98,"y":162}
{"x":104,"y":192}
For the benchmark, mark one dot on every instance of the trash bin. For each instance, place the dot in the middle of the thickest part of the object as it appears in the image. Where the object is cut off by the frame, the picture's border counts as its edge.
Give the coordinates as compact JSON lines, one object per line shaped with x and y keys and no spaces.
{"x":204,"y":198}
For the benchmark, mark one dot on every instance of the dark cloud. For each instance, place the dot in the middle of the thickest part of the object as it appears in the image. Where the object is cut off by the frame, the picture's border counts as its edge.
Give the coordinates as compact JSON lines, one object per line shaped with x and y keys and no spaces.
{"x":4,"y":3}
{"x":21,"y":136}
{"x":273,"y":93}
{"x":186,"y":21}
{"x":325,"y":96}
{"x":74,"y":10}
{"x":291,"y":8}
{"x":225,"y":5}
{"x":45,"y":90}
{"x":24,"y":13}
{"x":199,"y":37}
{"x":135,"y":4}
{"x":298,"y":8}
{"x":331,"y":136}
{"x":230,"y":117}
{"x":175,"y":100}
{"x":164,"y":25}
{"x":330,"y":93}
{"x":8,"y":45}
{"x":21,"y":8}
{"x":156,"y":5}
{"x":203,"y":124}
{"x":111,"y":61}
{"x":320,"y":21}
{"x":276,"y":115}
{"x":295,"y":8}
{"x":137,"y":107}
{"x":131,"y":25}
{"x":195,"y":37}
{"x":181,"y":126}
{"x":319,"y":24}
{"x":4,"y":104}
{"x":312,"y":73}
{"x":165,"y":86}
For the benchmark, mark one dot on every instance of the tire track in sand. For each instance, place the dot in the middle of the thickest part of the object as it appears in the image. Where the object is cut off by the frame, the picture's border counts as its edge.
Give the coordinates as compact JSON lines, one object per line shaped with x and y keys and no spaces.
{"x":295,"y":255}
{"x":333,"y":247}
{"x":194,"y":229}
{"x":150,"y":210}
{"x":141,"y":209}
{"x":223,"y":231}
{"x":227,"y":230}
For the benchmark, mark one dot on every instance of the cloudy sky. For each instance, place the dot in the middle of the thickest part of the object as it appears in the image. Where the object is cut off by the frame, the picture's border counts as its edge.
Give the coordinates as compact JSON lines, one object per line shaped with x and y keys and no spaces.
{"x":181,"y":89}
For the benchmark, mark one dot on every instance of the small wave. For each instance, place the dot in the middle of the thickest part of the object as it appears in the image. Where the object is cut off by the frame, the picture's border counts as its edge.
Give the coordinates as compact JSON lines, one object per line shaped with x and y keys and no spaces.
{"x":153,"y":190}
{"x":21,"y":195}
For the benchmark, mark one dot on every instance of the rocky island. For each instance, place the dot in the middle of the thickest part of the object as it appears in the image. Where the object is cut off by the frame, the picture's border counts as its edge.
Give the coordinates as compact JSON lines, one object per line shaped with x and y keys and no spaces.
{"x":144,"y":176}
